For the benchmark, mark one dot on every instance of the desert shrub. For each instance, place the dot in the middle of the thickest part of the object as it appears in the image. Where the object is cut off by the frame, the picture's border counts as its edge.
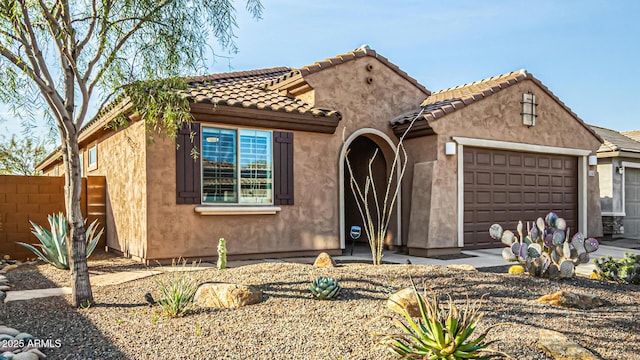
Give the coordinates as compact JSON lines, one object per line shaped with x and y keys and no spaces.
{"x":626,"y":270}
{"x":178,"y":288}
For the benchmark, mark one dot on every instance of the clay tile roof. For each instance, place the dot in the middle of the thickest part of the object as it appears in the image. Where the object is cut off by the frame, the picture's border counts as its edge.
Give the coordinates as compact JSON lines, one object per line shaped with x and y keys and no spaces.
{"x":618,"y":141}
{"x":246,"y":89}
{"x":342,"y":58}
{"x":479,"y":89}
{"x":443,"y":102}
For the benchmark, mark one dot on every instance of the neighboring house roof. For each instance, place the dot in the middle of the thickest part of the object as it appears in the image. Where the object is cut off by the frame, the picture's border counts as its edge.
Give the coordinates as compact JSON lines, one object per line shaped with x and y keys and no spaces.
{"x":617,"y":141}
{"x":363,"y":51}
{"x":634,"y":134}
{"x":443,"y":102}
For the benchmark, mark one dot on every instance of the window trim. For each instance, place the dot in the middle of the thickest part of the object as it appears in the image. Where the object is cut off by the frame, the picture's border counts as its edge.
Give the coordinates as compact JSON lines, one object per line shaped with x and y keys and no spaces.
{"x":208,"y":208}
{"x":94,"y":165}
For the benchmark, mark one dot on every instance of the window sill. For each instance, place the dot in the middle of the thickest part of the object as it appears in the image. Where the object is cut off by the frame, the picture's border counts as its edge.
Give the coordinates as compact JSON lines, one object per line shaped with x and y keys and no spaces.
{"x":237,"y":210}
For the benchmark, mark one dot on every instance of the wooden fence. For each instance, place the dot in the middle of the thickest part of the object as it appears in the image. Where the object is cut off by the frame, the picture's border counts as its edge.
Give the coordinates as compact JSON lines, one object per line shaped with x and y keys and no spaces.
{"x":32,"y":198}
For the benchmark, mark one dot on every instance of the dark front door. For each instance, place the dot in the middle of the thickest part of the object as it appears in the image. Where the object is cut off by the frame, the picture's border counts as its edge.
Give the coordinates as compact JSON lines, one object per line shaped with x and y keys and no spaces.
{"x":360,"y":152}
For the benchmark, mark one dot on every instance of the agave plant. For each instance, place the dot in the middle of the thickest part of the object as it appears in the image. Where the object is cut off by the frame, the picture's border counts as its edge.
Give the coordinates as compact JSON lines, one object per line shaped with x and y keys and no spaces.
{"x":53,"y":244}
{"x":439,"y":333}
{"x":325,"y":288}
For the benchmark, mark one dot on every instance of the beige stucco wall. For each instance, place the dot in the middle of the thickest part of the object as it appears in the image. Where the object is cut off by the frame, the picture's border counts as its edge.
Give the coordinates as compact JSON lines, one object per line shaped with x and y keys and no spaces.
{"x":312,"y":223}
{"x":121,"y":159}
{"x":495,"y":118}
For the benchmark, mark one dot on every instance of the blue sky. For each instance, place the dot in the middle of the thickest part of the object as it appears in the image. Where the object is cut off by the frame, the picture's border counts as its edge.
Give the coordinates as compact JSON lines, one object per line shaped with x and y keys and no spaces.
{"x":585,"y":51}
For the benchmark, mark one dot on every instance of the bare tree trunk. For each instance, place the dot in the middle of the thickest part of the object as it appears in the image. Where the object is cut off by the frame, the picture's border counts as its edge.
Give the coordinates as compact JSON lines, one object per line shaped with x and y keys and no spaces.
{"x":82,"y":294}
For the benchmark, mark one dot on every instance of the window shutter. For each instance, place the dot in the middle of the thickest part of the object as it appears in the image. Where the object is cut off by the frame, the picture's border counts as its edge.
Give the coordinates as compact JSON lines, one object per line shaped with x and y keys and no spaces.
{"x":282,"y":168}
{"x":188,"y":178}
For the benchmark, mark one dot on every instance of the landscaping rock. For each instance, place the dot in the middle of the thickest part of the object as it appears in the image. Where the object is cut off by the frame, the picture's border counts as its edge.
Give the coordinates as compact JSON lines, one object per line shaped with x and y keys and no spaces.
{"x":26,"y":356}
{"x":324,"y":260}
{"x":404,"y":299}
{"x":465,"y":267}
{"x":8,"y":331}
{"x":572,"y":300}
{"x":560,"y":347}
{"x":227,"y":296}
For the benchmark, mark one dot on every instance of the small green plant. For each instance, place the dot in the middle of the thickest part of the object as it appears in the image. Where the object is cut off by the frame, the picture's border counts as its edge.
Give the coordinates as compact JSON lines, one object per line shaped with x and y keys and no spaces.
{"x":439,"y":333}
{"x":198,"y":329}
{"x":154,"y":318}
{"x":546,"y":249}
{"x":178,"y":287}
{"x":626,"y":270}
{"x":325,"y":288}
{"x":53,"y":244}
{"x":222,"y":254}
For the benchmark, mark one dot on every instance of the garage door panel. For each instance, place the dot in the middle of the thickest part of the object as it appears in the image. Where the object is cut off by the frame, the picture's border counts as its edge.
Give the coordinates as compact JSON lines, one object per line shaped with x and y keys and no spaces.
{"x":523,"y":186}
{"x":543,"y":163}
{"x":631,"y":220}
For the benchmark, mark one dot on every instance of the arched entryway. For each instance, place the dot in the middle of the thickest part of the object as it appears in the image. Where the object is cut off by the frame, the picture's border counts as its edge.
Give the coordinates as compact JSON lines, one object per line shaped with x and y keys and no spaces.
{"x":361,"y":146}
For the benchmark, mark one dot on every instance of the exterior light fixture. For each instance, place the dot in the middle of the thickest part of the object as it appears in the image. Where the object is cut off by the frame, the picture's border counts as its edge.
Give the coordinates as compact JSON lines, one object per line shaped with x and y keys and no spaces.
{"x":450,"y":148}
{"x":620,"y":170}
{"x":593,"y":160}
{"x":528,"y":109}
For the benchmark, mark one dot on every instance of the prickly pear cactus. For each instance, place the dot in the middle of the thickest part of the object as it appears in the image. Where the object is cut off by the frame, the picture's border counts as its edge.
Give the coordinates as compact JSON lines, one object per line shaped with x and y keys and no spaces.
{"x":222,"y":254}
{"x":325,"y":288}
{"x":546,"y":249}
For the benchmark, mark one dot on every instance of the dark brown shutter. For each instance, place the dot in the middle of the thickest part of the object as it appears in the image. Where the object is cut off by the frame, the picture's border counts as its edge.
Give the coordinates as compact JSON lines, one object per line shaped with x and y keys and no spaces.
{"x":188,"y":177}
{"x":282,"y":168}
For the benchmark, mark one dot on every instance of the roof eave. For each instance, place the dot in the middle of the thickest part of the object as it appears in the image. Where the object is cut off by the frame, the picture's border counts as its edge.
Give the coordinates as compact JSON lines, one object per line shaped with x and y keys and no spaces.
{"x":276,"y":119}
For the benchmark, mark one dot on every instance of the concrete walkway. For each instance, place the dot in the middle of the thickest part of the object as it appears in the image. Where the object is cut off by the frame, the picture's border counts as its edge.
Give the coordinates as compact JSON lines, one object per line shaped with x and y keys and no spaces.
{"x":100,"y":280}
{"x":475,"y":258}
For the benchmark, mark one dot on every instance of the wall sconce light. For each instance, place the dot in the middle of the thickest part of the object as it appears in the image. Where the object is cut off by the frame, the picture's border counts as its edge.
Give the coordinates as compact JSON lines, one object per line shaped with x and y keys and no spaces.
{"x":593,"y":160}
{"x":528,"y":109}
{"x":620,"y":170}
{"x":450,"y":148}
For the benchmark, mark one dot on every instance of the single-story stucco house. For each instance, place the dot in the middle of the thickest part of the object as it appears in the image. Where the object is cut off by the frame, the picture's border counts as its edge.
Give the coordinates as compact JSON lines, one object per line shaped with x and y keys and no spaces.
{"x":271,"y":177}
{"x":619,"y":172}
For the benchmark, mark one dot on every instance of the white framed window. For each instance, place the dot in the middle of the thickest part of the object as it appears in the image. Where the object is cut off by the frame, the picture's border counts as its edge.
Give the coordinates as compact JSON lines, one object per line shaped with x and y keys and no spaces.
{"x":92,"y":155}
{"x":237,"y":166}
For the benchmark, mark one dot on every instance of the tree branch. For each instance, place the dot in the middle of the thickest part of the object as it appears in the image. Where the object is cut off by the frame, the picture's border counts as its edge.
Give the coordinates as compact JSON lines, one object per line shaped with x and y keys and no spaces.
{"x":112,"y":55}
{"x":92,"y":26}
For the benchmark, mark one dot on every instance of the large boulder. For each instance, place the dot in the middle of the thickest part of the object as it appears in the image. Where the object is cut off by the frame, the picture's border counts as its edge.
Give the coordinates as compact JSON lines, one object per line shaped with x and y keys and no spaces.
{"x":559,"y":347}
{"x":324,"y":260}
{"x":227,"y":296}
{"x":572,"y":300}
{"x":404,"y":299}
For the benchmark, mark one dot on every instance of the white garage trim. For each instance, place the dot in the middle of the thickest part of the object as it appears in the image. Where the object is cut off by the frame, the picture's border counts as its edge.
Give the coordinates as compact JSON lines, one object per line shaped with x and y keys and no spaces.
{"x":626,"y":164}
{"x":513,"y":146}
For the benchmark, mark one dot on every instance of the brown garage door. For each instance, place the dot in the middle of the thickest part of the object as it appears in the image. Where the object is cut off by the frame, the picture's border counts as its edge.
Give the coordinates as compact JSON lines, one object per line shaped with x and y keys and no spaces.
{"x":506,"y":186}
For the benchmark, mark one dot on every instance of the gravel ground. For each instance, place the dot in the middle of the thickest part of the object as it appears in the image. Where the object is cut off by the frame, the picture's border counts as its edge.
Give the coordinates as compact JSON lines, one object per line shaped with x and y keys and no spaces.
{"x":289,"y":324}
